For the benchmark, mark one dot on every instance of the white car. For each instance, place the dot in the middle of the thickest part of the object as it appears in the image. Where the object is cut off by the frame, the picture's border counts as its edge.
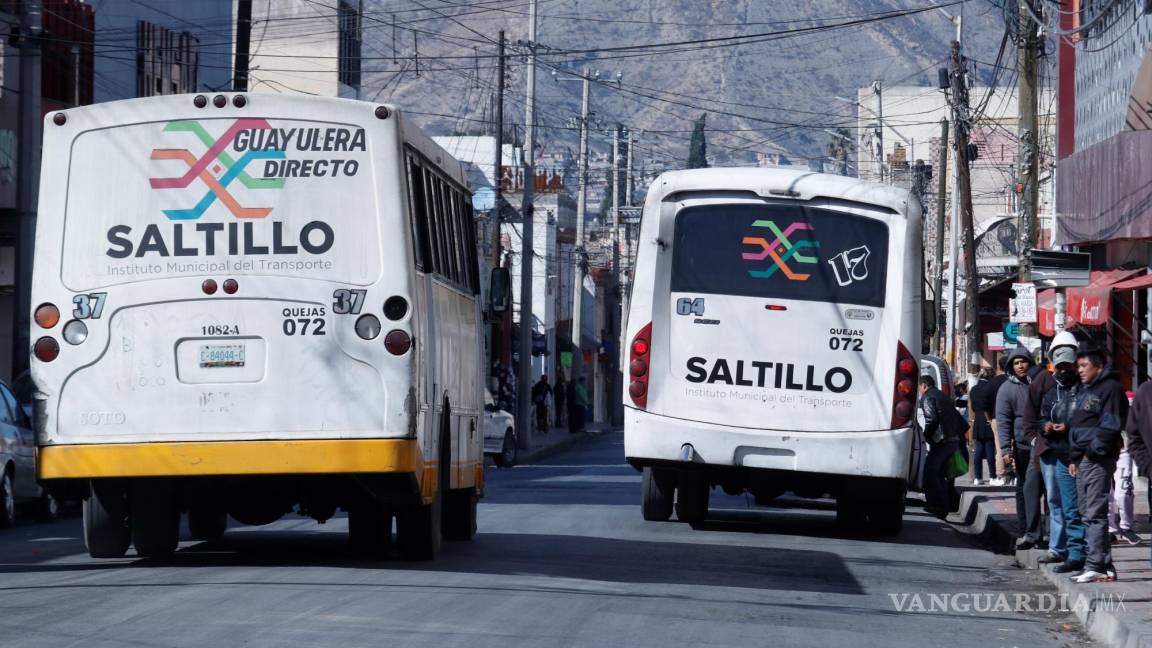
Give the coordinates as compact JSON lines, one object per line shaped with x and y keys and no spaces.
{"x":18,"y":485}
{"x":499,"y":434}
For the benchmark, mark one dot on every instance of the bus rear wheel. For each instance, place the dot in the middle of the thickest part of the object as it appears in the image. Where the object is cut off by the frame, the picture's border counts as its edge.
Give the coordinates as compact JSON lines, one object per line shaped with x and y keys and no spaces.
{"x":658,"y":493}
{"x":155,"y":518}
{"x":369,"y":530}
{"x":692,"y":492}
{"x":418,"y":531}
{"x":106,"y":530}
{"x":207,"y":523}
{"x":460,"y":515}
{"x":886,"y":512}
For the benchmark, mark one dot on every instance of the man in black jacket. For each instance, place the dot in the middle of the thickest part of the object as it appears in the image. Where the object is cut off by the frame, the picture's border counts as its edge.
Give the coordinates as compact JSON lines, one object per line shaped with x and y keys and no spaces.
{"x":1140,"y":432}
{"x":1066,"y":528}
{"x":943,"y":427}
{"x":1095,"y":418}
{"x":983,"y":400}
{"x":1016,"y":445}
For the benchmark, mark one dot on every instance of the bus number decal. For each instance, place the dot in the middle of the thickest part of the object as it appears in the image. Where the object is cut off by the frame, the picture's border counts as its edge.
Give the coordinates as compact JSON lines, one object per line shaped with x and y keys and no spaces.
{"x":221,"y":329}
{"x":845,"y":344}
{"x":348,"y":302}
{"x":89,"y":306}
{"x":689,"y":306}
{"x":304,"y":326}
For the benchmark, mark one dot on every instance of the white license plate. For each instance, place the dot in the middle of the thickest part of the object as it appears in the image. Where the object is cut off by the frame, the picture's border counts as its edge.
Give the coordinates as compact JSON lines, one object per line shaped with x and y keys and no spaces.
{"x":221,"y":355}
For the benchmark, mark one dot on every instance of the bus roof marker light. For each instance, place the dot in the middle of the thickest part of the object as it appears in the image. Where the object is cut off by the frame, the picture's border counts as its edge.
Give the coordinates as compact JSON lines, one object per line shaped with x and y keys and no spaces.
{"x":219,"y":101}
{"x":46,"y":349}
{"x":231,"y":286}
{"x":75,"y":332}
{"x":59,"y":119}
{"x":200,"y":101}
{"x":775,"y":307}
{"x":47,"y":315}
{"x":209,"y":286}
{"x":239,"y":101}
{"x":382,"y":112}
{"x":368,"y":327}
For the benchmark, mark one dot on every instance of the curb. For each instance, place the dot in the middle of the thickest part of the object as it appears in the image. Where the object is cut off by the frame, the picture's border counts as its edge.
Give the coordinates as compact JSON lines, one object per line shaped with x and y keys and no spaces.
{"x":572,"y":441}
{"x":997,"y":531}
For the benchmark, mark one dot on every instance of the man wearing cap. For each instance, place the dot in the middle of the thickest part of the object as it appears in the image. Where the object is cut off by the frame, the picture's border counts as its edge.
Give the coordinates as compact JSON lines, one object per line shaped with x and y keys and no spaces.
{"x":1065,"y":527}
{"x":1011,"y":401}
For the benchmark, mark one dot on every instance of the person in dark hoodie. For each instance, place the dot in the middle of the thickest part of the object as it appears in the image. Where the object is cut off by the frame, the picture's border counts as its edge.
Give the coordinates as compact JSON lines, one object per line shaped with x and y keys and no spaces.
{"x":1140,"y":432}
{"x":1011,"y":403}
{"x":943,"y":427}
{"x":1095,"y":418}
{"x":1065,"y":528}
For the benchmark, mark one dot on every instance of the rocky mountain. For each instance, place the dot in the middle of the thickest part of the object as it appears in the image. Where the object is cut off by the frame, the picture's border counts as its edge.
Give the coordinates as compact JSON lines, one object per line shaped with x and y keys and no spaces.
{"x":769,"y":87}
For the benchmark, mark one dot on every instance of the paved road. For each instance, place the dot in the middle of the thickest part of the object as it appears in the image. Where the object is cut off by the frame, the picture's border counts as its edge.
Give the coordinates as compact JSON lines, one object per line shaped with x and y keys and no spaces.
{"x":563,"y":559}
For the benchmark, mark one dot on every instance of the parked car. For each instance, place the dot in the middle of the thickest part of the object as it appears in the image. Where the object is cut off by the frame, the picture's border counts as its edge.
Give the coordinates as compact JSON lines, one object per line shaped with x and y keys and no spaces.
{"x":18,"y":485}
{"x":500,"y":440}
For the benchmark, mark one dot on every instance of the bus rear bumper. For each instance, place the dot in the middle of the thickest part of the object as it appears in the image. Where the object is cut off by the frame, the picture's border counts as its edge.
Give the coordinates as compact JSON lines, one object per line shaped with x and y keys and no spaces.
{"x":651,"y":439}
{"x":219,"y":458}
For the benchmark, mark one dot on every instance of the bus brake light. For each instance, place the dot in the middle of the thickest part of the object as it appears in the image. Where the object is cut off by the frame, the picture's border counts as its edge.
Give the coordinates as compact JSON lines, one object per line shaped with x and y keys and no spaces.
{"x":640,"y":348}
{"x":904,"y":396}
{"x":46,"y":349}
{"x":397,"y":342}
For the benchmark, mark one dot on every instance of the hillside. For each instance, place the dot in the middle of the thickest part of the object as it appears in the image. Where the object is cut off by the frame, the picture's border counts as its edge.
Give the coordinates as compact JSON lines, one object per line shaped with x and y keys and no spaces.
{"x":772,"y":96}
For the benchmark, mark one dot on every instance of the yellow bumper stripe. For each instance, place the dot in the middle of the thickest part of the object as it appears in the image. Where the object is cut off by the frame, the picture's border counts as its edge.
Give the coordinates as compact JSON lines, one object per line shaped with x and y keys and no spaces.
{"x":280,"y":457}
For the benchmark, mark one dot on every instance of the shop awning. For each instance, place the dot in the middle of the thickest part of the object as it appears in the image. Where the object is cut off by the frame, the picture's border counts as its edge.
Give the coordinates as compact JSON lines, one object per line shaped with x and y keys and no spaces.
{"x":1090,"y":305}
{"x":1134,"y":284}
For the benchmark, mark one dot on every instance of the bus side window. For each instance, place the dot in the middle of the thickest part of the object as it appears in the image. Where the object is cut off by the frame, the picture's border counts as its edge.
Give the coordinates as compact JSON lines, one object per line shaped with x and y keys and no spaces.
{"x":436,"y":241}
{"x":459,"y":236}
{"x":418,"y":217}
{"x":471,"y":253}
{"x":444,"y":223}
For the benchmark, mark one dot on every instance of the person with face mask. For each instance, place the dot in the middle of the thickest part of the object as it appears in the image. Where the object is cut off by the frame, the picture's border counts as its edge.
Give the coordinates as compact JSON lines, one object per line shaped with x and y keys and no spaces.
{"x":1065,"y":527}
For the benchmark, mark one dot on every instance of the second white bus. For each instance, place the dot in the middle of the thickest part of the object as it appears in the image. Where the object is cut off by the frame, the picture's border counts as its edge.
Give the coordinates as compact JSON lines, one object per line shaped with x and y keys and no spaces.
{"x":771,"y":342}
{"x":252,"y":305}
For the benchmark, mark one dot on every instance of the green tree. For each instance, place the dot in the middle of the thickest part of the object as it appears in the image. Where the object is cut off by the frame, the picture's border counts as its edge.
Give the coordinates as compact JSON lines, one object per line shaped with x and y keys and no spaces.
{"x":698,"y":147}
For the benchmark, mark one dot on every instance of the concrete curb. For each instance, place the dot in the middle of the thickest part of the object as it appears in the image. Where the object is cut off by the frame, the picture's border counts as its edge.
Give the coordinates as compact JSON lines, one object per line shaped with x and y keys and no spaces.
{"x":997,"y":530}
{"x":572,"y":440}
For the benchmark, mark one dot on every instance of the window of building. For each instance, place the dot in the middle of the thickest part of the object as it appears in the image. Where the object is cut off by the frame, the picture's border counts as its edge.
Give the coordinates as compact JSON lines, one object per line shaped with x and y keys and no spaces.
{"x":349,"y":45}
{"x":167,"y":62}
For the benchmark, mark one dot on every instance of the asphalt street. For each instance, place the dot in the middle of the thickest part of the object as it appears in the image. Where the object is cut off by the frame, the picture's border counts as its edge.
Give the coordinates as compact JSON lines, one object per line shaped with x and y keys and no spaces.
{"x":563,"y":558}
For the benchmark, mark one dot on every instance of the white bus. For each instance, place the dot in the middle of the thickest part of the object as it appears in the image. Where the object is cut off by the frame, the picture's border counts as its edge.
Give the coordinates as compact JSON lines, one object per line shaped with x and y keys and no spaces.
{"x":771,"y":342}
{"x":251,"y":305}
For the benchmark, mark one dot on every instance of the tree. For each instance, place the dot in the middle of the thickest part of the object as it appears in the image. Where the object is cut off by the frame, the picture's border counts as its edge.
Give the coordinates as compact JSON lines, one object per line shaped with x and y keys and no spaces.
{"x":839,"y":147}
{"x":698,"y":147}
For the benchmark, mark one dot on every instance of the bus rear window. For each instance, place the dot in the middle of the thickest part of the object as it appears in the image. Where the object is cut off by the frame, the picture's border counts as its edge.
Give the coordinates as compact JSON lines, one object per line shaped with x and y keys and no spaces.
{"x":780,"y":252}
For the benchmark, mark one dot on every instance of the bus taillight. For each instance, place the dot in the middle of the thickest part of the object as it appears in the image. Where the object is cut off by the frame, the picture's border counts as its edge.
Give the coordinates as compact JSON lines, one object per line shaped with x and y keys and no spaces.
{"x":46,"y":349}
{"x":640,"y":351}
{"x":397,"y":342}
{"x":904,"y":398}
{"x":47,"y":315}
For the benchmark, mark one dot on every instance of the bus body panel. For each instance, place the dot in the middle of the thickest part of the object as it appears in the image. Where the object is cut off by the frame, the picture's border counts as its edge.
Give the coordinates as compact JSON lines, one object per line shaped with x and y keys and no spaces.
{"x":142,"y":201}
{"x":747,"y":380}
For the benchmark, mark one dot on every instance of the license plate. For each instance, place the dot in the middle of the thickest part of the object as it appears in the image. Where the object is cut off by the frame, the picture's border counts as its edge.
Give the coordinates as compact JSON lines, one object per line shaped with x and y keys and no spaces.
{"x":221,"y":355}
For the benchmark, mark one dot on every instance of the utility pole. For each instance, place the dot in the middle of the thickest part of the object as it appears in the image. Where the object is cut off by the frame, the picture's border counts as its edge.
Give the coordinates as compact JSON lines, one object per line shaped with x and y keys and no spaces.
{"x":578,"y":249}
{"x":941,"y":193}
{"x":615,"y":388}
{"x":964,"y":190}
{"x":878,"y":89}
{"x":243,"y":44}
{"x":498,"y":204}
{"x":527,"y":318}
{"x":1027,"y":167}
{"x":31,"y":26}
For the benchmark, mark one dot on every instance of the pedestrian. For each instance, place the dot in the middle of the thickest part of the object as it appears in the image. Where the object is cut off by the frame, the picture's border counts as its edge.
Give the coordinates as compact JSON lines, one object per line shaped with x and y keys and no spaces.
{"x":1065,"y":527}
{"x":1139,"y":429}
{"x":1016,"y":448}
{"x":943,"y":428}
{"x":577,"y":402}
{"x":982,"y":400}
{"x":541,"y":395}
{"x":1096,"y":417}
{"x":1003,"y":468}
{"x":1122,"y":498}
{"x":961,"y":400}
{"x":560,"y":400}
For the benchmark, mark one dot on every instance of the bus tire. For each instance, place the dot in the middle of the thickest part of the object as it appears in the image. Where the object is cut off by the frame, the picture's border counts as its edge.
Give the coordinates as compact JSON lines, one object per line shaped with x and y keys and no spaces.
{"x":692,"y":492}
{"x":658,"y":494}
{"x":460,"y":515}
{"x":850,"y":515}
{"x":418,"y":533}
{"x":207,"y":523}
{"x":886,"y":513}
{"x":155,"y":518}
{"x":106,"y":530}
{"x":369,"y":530}
{"x":46,"y":508}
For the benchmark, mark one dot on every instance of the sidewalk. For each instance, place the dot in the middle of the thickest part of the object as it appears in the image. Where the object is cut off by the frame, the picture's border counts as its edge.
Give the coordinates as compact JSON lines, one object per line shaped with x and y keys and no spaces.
{"x":1118,"y":613}
{"x":558,"y":440}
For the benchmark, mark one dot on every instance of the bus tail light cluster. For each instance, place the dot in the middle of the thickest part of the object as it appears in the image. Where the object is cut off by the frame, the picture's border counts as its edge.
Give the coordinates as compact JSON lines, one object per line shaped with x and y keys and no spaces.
{"x":639,"y":353}
{"x":46,"y":349}
{"x":904,"y":398}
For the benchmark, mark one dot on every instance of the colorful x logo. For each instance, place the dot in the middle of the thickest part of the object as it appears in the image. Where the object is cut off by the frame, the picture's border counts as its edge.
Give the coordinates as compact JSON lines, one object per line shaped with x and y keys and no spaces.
{"x":780,"y":250}
{"x":218,"y":158}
